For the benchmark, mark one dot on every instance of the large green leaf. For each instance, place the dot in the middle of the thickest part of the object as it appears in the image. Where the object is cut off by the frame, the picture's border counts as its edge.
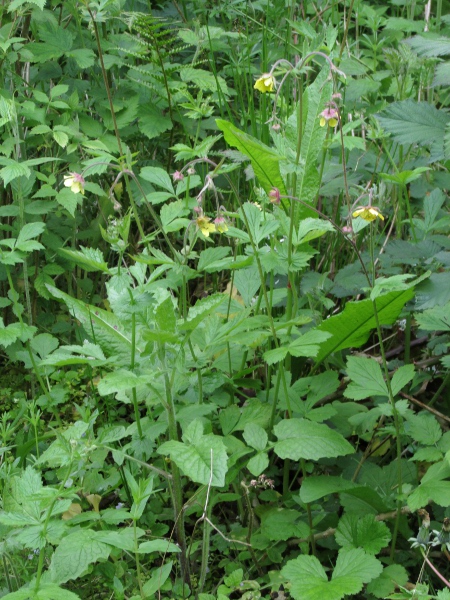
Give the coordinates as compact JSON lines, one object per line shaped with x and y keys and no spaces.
{"x":367,"y":378}
{"x":351,"y":328}
{"x":105,"y":327}
{"x":309,"y":580}
{"x":75,"y":553}
{"x":364,"y":532}
{"x":411,"y":122}
{"x":299,"y":438}
{"x":203,"y":458}
{"x":313,"y":137}
{"x":264,"y":160}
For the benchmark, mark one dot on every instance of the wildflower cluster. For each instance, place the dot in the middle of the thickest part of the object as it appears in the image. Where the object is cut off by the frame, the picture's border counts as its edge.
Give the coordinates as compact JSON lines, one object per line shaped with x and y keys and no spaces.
{"x":263,"y":482}
{"x":436,"y":538}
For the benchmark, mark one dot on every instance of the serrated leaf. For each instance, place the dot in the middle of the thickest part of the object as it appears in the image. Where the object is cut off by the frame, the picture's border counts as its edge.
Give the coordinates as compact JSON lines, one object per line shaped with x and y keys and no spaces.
{"x":105,"y":326}
{"x":158,"y":177}
{"x":90,"y":259}
{"x":299,"y":438}
{"x":264,"y":160}
{"x":367,"y":379}
{"x":352,"y":327}
{"x":411,"y":122}
{"x":195,"y":459}
{"x":75,"y":553}
{"x":435,"y":319}
{"x":318,"y":486}
{"x":364,"y":532}
{"x":309,"y":580}
{"x":391,"y":577}
{"x":401,"y":377}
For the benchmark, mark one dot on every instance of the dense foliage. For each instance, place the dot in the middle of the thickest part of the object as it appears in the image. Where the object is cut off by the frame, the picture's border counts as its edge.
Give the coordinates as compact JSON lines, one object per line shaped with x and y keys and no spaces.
{"x":225,"y":273}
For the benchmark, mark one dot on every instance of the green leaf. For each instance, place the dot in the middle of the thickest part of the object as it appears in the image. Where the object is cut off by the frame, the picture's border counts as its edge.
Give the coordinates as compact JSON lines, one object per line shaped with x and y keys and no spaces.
{"x":46,"y":591}
{"x":281,"y":524}
{"x":391,"y":577}
{"x":15,"y":4}
{"x":120,"y":380}
{"x":401,"y":377}
{"x":432,"y":487}
{"x":84,"y":57}
{"x":158,"y":177}
{"x":109,"y":333}
{"x":75,"y":553}
{"x":317,"y":486}
{"x":90,"y":259}
{"x":352,"y":327}
{"x":152,"y":121}
{"x":194,"y":458}
{"x":299,"y":438}
{"x":309,"y":581}
{"x":255,"y":436}
{"x":264,"y":160}
{"x":13,"y":171}
{"x":158,"y":546}
{"x":411,"y":122}
{"x":429,"y":45}
{"x":313,"y":137}
{"x":424,"y":429}
{"x":364,"y":532}
{"x":367,"y":379}
{"x":258,"y":463}
{"x":211,"y":255}
{"x":395,"y":283}
{"x":158,"y":578}
{"x":435,"y":319}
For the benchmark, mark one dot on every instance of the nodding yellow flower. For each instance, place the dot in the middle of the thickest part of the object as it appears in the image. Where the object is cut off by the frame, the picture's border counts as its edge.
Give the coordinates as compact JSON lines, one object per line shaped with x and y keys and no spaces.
{"x":265,"y":83}
{"x":329,"y":115}
{"x":76,"y":182}
{"x":203,"y":223}
{"x":221,"y":224}
{"x":368,"y":213}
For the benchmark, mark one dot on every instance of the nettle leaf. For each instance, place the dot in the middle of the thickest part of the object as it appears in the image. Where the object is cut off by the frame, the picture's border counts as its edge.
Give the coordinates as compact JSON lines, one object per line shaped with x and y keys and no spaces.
{"x":411,"y":122}
{"x":352,"y":327}
{"x":75,"y":553}
{"x":435,"y":319}
{"x":90,"y":259}
{"x":195,"y":456}
{"x":283,"y":523}
{"x":299,"y":438}
{"x":265,"y":161}
{"x":309,"y":580}
{"x":423,"y":428}
{"x":364,"y":532}
{"x":367,"y":379}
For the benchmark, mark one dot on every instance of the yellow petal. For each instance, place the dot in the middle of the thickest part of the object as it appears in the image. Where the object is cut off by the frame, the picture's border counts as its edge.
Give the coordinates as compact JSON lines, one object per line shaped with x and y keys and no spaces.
{"x":322,"y":122}
{"x":332,"y":122}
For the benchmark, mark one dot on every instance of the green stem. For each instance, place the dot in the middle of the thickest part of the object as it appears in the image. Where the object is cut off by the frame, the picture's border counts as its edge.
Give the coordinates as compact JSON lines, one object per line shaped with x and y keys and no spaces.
{"x":395,"y":415}
{"x":137,"y":416}
{"x":205,"y":548}
{"x":138,"y":563}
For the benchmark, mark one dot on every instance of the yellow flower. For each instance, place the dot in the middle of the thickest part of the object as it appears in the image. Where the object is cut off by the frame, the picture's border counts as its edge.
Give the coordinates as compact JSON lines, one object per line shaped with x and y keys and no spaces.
{"x":203,"y":223}
{"x":368,"y":213}
{"x":329,"y":115}
{"x":221,"y":224}
{"x":76,"y":182}
{"x":265,"y":83}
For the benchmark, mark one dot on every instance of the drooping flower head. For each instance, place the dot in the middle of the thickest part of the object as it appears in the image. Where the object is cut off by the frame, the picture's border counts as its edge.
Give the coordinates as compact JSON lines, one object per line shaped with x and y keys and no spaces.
{"x":177,"y":176}
{"x":76,"y":182}
{"x":368,"y":213}
{"x":265,"y":83}
{"x":275,"y":196}
{"x":203,"y":223}
{"x":221,"y":224}
{"x":330,"y":116}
